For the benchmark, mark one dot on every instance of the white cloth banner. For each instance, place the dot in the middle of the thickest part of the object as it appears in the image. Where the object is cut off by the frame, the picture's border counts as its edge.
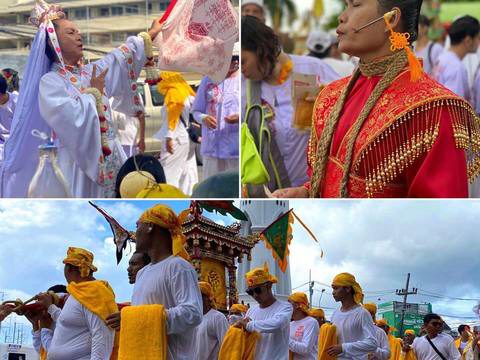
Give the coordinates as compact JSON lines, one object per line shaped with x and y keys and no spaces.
{"x":198,"y":36}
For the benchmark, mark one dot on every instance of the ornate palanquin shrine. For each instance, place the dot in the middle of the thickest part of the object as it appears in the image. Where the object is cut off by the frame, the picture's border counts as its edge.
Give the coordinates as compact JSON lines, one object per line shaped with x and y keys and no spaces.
{"x":213,"y":249}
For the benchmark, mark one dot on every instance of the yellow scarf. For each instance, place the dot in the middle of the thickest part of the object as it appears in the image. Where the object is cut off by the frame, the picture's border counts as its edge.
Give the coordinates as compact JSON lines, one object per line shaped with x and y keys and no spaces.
{"x":43,"y":353}
{"x":98,"y":297}
{"x":238,"y":344}
{"x":326,"y":339}
{"x":143,"y":333}
{"x":175,"y":90}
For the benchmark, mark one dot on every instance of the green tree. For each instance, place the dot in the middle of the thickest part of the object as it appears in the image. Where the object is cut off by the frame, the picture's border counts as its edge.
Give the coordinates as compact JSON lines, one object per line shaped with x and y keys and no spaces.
{"x":279,"y":10}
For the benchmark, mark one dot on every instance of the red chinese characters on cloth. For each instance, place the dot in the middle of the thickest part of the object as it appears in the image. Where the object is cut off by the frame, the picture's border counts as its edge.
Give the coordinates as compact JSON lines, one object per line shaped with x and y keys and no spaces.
{"x":198,"y":36}
{"x":411,"y":145}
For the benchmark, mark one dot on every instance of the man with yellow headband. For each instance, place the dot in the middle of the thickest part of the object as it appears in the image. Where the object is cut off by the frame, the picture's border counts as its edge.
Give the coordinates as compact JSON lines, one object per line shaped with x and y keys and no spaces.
{"x":81,"y":332}
{"x":211,"y":331}
{"x":355,"y":329}
{"x":407,"y":341}
{"x":319,"y":315}
{"x":304,"y":329}
{"x":271,"y":318}
{"x":236,"y":312}
{"x":383,"y":349}
{"x":169,"y":280}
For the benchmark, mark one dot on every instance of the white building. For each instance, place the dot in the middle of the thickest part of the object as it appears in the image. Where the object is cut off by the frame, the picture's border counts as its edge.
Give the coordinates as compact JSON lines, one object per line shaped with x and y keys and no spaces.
{"x":17,"y":352}
{"x":262,"y":213}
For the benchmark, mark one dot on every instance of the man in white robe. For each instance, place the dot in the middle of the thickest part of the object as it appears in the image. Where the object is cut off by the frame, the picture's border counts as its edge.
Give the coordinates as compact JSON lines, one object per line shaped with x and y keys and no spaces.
{"x":444,"y":343}
{"x":450,"y":71}
{"x":211,"y":331}
{"x":169,"y":280}
{"x":304,"y":329}
{"x":383,"y":349}
{"x":178,"y":151}
{"x":63,"y":99}
{"x":355,"y":329}
{"x":137,"y":261}
{"x":80,"y":334}
{"x":271,"y":317}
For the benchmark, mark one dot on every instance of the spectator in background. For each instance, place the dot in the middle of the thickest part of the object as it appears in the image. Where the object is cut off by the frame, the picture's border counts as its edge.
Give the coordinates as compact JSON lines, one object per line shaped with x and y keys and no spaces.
{"x":425,"y":48}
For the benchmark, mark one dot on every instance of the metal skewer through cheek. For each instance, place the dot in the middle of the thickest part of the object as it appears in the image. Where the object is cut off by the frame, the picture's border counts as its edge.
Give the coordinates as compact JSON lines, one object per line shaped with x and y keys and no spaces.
{"x":388,"y":15}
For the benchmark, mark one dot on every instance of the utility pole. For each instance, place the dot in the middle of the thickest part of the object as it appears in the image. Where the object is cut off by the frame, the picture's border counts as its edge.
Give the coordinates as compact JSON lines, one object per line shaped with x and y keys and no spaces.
{"x":320,"y":301}
{"x":405,"y":293}
{"x":310,"y":286}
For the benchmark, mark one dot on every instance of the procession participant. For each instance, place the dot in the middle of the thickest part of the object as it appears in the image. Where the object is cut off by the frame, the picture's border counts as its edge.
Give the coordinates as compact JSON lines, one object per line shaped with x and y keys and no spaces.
{"x":8,"y":102}
{"x":270,"y":318}
{"x":80,"y":330}
{"x":383,"y":349}
{"x":211,"y":331}
{"x":319,"y":315}
{"x":304,"y":329}
{"x":169,"y":280}
{"x":178,"y":151}
{"x":425,"y":48}
{"x":69,"y":103}
{"x":267,"y":82}
{"x":137,"y":262}
{"x":254,"y":8}
{"x":236,"y":312}
{"x":216,"y":107}
{"x":389,"y":130}
{"x":355,"y":329}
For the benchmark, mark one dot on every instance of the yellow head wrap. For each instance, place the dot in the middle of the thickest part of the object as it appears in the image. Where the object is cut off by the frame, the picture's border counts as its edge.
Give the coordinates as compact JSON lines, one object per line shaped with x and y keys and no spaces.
{"x":81,"y":258}
{"x":175,"y":90}
{"x":301,"y":299}
{"x":371,"y":308}
{"x":259,"y":276}
{"x":317,"y":313}
{"x":238,"y":308}
{"x":410,"y":332}
{"x":381,"y":322}
{"x":346,"y":279}
{"x":206,"y":289}
{"x":165,"y":217}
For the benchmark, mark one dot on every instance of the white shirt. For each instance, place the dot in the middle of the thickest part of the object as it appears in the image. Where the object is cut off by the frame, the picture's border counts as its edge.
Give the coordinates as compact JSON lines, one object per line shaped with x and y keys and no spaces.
{"x":383,"y":349}
{"x":443,"y":342}
{"x":173,"y":283}
{"x":80,"y":335}
{"x":304,"y":338}
{"x":451,"y":73}
{"x":356,"y":333}
{"x":209,"y":335}
{"x":6,"y":113}
{"x":273,"y":323}
{"x":342,"y":67}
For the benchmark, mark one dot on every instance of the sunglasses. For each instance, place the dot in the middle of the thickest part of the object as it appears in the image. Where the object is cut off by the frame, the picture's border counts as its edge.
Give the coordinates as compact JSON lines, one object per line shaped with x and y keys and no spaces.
{"x":437,"y":324}
{"x":257,"y":290}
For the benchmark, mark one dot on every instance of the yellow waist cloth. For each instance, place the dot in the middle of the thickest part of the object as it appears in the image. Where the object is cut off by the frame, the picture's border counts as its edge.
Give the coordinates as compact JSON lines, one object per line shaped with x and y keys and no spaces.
{"x":238,"y":344}
{"x":143,"y":333}
{"x":326,"y":338}
{"x":410,"y":355}
{"x":395,"y":347}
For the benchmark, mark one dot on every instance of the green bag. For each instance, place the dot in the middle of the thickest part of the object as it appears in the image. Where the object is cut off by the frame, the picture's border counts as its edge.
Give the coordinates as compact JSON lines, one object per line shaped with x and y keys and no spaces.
{"x":252,"y":168}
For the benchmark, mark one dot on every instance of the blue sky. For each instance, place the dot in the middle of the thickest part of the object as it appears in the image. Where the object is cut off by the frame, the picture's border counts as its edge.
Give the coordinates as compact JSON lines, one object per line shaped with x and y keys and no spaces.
{"x":378,"y":241}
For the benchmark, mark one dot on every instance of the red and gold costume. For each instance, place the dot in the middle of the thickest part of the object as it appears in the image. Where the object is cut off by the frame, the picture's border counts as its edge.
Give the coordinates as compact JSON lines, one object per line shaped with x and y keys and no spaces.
{"x":414,"y":142}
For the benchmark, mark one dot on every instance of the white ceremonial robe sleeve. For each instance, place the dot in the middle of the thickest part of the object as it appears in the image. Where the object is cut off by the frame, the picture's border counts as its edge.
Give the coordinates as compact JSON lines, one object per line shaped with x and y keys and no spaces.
{"x":383,"y":349}
{"x":368,"y":342}
{"x":74,"y":120}
{"x":102,"y":336}
{"x":277,"y":321}
{"x":54,"y":312}
{"x":188,"y":312}
{"x":46,"y":337}
{"x":221,"y":327}
{"x":453,"y":353}
{"x":118,"y":81}
{"x":37,"y":341}
{"x":309,"y":339}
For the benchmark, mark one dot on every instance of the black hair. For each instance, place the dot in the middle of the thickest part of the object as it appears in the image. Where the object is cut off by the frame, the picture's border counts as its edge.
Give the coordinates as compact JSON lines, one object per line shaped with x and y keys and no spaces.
{"x":145,"y":258}
{"x":145,"y":163}
{"x":424,"y":21}
{"x":49,"y":50}
{"x":319,"y":52}
{"x":3,"y":84}
{"x":58,"y":289}
{"x":462,"y":327}
{"x":261,"y":40}
{"x":462,"y":27}
{"x":430,"y":317}
{"x":410,"y":14}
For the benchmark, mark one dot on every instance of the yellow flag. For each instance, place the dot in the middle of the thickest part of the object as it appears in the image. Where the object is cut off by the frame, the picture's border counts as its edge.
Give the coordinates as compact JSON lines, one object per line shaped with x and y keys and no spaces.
{"x":317,"y":8}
